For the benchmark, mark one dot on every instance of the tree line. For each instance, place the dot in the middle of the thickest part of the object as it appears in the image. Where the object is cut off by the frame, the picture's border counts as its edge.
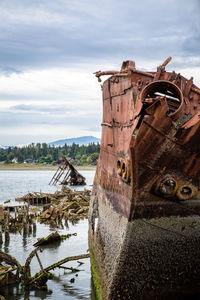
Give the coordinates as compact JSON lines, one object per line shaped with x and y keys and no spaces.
{"x":46,"y":154}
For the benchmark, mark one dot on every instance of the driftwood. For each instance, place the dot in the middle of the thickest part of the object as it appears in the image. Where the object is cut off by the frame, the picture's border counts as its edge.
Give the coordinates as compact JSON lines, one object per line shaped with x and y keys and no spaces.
{"x":39,"y":279}
{"x":26,"y":268}
{"x":38,"y":275}
{"x":8,"y":259}
{"x":73,"y":270}
{"x":6,"y":272}
{"x":53,"y":237}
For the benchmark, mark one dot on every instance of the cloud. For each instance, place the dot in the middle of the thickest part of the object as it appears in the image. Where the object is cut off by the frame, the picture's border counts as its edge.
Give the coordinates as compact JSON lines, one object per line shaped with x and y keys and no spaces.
{"x":62,"y":33}
{"x":49,"y":50}
{"x":48,"y":102}
{"x":39,"y":108}
{"x":36,"y":126}
{"x":57,"y":84}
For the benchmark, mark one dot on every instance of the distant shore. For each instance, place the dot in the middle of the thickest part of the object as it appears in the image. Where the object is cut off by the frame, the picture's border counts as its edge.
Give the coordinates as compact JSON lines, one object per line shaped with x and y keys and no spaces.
{"x":40,"y":167}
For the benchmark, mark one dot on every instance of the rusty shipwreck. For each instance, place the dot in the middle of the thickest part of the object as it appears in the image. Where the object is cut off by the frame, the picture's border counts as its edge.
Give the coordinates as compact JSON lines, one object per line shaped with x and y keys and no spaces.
{"x":144,"y":218}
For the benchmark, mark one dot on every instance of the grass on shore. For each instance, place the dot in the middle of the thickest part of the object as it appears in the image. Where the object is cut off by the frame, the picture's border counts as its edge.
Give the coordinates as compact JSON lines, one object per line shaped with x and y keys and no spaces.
{"x":34,"y":166}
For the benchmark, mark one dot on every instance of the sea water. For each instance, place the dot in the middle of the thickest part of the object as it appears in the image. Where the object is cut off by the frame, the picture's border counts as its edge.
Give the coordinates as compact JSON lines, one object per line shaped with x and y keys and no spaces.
{"x":17,"y":183}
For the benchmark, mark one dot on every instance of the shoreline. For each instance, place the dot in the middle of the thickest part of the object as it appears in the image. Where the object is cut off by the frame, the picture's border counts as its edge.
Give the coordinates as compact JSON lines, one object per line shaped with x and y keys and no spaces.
{"x":39,"y":168}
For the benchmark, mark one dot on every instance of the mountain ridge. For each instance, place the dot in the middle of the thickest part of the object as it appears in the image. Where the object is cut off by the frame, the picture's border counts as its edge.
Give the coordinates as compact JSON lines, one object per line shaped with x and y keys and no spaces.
{"x":82,"y":140}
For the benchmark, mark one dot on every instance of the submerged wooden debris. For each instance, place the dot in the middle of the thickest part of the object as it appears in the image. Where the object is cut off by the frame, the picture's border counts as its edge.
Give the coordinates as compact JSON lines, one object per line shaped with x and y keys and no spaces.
{"x":68,"y":204}
{"x":53,"y":237}
{"x":73,"y":205}
{"x":44,"y":274}
{"x":11,"y":272}
{"x":35,"y":198}
{"x":9,"y":269}
{"x":67,"y":175}
{"x":15,"y":219}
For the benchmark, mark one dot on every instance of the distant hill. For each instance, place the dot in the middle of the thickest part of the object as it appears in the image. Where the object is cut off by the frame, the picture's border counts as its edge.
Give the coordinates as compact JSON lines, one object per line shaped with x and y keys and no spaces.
{"x":83,"y":140}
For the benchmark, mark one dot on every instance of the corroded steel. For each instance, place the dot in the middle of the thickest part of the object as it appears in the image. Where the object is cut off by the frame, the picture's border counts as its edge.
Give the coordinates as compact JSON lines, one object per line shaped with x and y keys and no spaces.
{"x":145,"y":205}
{"x":150,"y":132}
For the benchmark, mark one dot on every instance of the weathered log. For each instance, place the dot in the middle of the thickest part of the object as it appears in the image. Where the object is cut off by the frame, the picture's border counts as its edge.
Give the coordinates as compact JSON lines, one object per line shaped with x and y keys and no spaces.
{"x":49,"y":239}
{"x":39,"y":261}
{"x":6,"y":275}
{"x":6,"y":270}
{"x":27,"y":269}
{"x":37,"y":276}
{"x":73,"y":270}
{"x":44,"y":275}
{"x":8,"y":259}
{"x":53,"y":237}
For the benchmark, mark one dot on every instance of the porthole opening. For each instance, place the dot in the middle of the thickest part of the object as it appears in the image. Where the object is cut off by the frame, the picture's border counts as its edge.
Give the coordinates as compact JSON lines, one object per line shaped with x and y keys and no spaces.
{"x":162,"y":88}
{"x":168,"y":186}
{"x":119,"y":170}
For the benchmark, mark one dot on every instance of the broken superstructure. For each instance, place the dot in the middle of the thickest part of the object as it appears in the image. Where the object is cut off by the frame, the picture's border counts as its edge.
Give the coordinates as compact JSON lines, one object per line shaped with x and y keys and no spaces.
{"x":144,"y":219}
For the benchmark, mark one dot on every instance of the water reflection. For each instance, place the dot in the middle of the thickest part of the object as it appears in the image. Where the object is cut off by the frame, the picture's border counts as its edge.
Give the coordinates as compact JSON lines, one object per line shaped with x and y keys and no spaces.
{"x":51,"y":247}
{"x":17,"y":292}
{"x":7,"y":242}
{"x":68,"y":289}
{"x":41,"y":294}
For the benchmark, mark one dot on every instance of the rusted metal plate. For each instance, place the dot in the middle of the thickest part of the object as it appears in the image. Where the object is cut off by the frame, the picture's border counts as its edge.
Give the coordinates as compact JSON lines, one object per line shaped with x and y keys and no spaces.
{"x":193,"y":121}
{"x":118,"y":85}
{"x":123,"y":108}
{"x":151,"y":128}
{"x":106,"y":91}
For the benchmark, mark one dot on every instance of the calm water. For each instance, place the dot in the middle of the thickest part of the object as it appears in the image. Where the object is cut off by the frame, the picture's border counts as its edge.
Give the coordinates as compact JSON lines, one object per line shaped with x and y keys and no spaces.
{"x":17,"y":183}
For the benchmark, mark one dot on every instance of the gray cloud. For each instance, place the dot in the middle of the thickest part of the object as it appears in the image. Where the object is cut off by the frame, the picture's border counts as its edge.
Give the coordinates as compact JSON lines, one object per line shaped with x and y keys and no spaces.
{"x":82,"y":35}
{"x":58,"y":110}
{"x":40,"y":34}
{"x":40,"y":109}
{"x":18,"y":117}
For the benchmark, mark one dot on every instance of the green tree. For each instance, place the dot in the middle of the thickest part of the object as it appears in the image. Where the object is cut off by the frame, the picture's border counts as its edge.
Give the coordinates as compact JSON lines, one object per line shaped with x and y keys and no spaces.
{"x":20,"y":157}
{"x":93,"y":158}
{"x":10,"y":156}
{"x":48,"y":158}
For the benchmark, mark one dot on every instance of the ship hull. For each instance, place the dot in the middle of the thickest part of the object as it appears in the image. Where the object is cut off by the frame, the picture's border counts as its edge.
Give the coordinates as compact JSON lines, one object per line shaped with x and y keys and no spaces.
{"x":156,"y":258}
{"x":144,"y":215}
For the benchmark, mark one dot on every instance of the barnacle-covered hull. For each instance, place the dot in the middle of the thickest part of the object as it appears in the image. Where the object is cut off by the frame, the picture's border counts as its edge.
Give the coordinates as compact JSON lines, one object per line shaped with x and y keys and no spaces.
{"x":144,"y":224}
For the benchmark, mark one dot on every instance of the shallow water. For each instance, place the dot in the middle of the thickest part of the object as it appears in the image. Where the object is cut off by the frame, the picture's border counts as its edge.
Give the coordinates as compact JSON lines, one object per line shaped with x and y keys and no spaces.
{"x":17,"y":183}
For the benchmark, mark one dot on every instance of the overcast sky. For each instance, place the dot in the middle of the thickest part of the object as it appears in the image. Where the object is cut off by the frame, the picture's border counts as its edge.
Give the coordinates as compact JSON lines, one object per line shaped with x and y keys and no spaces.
{"x":49,"y":50}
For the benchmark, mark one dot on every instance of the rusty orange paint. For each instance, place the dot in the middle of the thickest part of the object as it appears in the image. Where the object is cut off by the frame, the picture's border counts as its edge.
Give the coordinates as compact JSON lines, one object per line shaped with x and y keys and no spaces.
{"x":151,"y":130}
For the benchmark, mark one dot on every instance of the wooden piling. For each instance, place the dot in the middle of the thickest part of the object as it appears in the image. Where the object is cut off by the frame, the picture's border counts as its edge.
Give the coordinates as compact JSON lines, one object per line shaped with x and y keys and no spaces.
{"x":1,"y":238}
{"x":6,"y":223}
